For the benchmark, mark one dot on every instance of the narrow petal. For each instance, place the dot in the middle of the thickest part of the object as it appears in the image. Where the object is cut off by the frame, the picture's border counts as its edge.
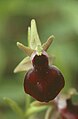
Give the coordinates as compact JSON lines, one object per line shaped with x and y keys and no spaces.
{"x":27,"y":50}
{"x":47,"y":44}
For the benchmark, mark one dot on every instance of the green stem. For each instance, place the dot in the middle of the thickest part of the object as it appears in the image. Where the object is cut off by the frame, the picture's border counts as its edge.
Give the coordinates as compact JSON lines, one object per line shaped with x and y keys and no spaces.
{"x":14,"y":106}
{"x":28,"y":100}
{"x":33,"y":110}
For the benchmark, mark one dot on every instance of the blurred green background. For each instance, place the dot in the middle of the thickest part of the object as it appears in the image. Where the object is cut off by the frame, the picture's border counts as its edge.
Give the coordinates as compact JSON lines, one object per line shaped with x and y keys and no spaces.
{"x":57,"y":17}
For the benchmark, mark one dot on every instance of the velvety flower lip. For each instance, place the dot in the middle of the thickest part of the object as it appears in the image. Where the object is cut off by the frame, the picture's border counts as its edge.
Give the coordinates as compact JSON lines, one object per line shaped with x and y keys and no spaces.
{"x":43,"y":82}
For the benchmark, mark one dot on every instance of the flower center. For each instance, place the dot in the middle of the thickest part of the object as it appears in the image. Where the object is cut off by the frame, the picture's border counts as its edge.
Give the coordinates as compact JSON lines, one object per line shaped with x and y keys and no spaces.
{"x":40,"y":61}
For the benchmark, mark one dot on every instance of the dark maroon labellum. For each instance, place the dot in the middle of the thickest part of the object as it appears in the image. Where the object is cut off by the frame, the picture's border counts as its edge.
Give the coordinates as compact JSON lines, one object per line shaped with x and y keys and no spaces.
{"x":43,"y":82}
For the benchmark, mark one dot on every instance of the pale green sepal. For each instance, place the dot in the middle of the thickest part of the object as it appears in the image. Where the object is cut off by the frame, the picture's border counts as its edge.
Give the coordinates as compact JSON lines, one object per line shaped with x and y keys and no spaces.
{"x":24,"y":65}
{"x":47,"y":44}
{"x":34,"y":40}
{"x":27,"y":50}
{"x":14,"y":106}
